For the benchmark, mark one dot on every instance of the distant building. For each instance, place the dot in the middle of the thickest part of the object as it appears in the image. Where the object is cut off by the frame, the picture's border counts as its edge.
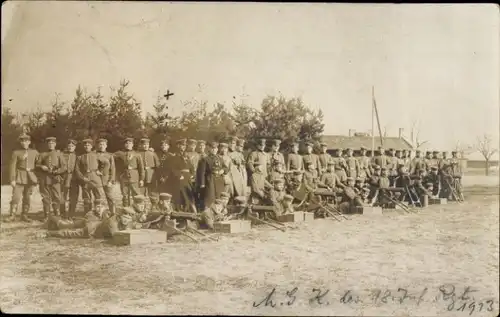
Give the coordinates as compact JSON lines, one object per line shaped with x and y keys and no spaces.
{"x":477,"y":160}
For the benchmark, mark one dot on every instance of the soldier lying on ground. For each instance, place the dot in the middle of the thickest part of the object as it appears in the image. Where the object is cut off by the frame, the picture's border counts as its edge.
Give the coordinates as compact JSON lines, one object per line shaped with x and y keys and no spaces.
{"x":350,"y":198}
{"x":216,"y":212}
{"x":162,"y":211}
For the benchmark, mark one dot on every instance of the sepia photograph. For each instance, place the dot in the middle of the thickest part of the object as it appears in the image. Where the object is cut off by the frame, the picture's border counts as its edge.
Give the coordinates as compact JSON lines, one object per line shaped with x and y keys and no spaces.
{"x":245,"y":158}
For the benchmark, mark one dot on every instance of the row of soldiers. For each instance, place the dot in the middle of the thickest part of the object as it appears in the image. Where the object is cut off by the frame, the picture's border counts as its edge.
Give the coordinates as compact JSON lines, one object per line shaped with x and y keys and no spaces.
{"x":194,"y":176}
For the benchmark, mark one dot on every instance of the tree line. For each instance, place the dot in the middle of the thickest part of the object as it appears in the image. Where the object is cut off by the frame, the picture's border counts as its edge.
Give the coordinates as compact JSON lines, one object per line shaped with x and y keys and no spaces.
{"x":91,"y":115}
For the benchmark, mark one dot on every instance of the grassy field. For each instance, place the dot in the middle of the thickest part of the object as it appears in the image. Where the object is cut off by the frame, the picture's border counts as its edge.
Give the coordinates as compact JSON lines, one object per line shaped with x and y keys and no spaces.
{"x":452,"y":246}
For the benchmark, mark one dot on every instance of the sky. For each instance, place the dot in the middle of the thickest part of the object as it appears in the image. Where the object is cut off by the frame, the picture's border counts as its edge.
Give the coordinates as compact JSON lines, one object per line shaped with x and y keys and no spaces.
{"x":433,"y":64}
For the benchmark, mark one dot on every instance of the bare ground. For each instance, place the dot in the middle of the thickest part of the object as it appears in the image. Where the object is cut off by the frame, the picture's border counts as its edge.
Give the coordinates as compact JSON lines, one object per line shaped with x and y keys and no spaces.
{"x":448,"y":244}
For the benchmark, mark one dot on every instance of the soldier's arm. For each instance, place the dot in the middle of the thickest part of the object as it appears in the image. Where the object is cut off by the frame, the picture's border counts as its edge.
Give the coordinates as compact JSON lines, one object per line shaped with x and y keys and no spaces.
{"x":200,"y":172}
{"x":140,"y":168}
{"x":63,"y":165}
{"x":256,"y":188}
{"x":78,"y":172}
{"x":68,"y":233}
{"x":287,"y":166}
{"x":112,"y":169}
{"x":39,"y":162}
{"x":250,"y":162}
{"x":12,"y":169}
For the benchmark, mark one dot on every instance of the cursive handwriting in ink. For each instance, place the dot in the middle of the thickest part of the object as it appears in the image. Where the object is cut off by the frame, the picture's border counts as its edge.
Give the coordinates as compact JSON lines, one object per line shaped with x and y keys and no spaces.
{"x":267,"y":300}
{"x":291,"y":294}
{"x":319,"y":296}
{"x":349,"y":297}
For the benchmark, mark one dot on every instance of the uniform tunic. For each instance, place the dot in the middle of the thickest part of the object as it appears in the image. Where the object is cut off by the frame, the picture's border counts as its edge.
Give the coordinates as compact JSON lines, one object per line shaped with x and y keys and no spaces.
{"x":86,"y":170}
{"x":50,"y":181}
{"x":130,"y":171}
{"x":211,"y":176}
{"x":364,"y":166}
{"x":227,"y":164}
{"x":258,"y":156}
{"x":381,"y":160}
{"x":108,"y":171}
{"x":258,"y":185}
{"x":22,"y":165}
{"x":238,"y":174}
{"x":324,"y":159}
{"x":294,"y":162}
{"x":182,"y":176}
{"x":313,"y":158}
{"x":71,"y":189}
{"x":151,"y":163}
{"x":352,"y":167}
{"x":417,"y":164}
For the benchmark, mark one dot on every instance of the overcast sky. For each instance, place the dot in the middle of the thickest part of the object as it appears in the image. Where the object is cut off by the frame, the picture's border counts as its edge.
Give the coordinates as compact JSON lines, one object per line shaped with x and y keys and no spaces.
{"x":436,"y":63}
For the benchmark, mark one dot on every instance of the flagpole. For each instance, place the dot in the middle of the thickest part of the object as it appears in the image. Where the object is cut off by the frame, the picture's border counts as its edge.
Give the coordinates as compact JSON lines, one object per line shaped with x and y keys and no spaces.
{"x":373,"y":122}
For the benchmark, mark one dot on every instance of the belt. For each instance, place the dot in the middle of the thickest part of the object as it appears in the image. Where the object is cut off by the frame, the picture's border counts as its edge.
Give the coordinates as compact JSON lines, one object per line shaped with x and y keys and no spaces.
{"x":149,"y":168}
{"x":131,"y":168}
{"x":25,"y":169}
{"x":90,"y":171}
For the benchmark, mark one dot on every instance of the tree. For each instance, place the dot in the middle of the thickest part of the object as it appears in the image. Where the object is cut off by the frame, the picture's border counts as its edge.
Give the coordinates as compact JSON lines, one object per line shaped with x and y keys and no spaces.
{"x":160,"y":123}
{"x":463,"y":149}
{"x":485,"y":146}
{"x":415,"y":140}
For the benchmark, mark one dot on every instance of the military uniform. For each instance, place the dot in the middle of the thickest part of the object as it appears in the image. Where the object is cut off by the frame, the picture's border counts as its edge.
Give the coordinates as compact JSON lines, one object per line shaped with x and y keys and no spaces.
{"x":22,"y":178}
{"x":418,"y":163}
{"x":331,"y":180}
{"x":211,"y":178}
{"x":435,"y":179}
{"x":349,"y":198}
{"x":227,"y":164}
{"x":276,"y":156}
{"x":323,"y":159}
{"x":216,"y":212}
{"x":71,"y":189}
{"x":380,"y":160}
{"x":310,"y":179}
{"x":89,"y":175}
{"x":238,"y":172}
{"x":258,"y":185}
{"x":364,"y":164}
{"x":434,"y":161}
{"x":311,"y":158}
{"x":52,"y":167}
{"x":182,"y":181}
{"x":352,"y":165}
{"x":108,"y":170}
{"x":130,"y":170}
{"x":294,"y":161}
{"x":151,"y":163}
{"x":193,"y":156}
{"x":258,"y":156}
{"x":276,"y":196}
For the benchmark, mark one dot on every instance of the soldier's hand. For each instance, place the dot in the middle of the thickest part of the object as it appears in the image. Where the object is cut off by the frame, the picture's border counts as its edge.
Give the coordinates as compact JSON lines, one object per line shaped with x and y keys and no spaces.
{"x":202,"y":186}
{"x":110,"y":184}
{"x":13,"y":183}
{"x":141,"y":183}
{"x":142,"y":218}
{"x":98,"y":173}
{"x":162,"y":180}
{"x":86,"y":180}
{"x":44,"y":168}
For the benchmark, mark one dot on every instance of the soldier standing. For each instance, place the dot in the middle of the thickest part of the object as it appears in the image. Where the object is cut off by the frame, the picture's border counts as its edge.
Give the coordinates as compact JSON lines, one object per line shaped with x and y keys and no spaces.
{"x":444,"y":161}
{"x":71,"y":189}
{"x":324,"y":158}
{"x":380,"y":159}
{"x":130,"y":170}
{"x":259,"y":185}
{"x":259,"y":156}
{"x":352,"y":164}
{"x":275,"y":154}
{"x":392,"y":166}
{"x":163,"y":172}
{"x":227,"y":164}
{"x":52,"y":167}
{"x":238,"y":169}
{"x":417,"y":163}
{"x":340,"y":165}
{"x":22,"y":178}
{"x":211,"y":176}
{"x":183,"y":178}
{"x":151,"y":163}
{"x":294,"y":159}
{"x":201,"y":148}
{"x":428,"y":160}
{"x":192,"y":155}
{"x":434,"y":161}
{"x":108,"y":171}
{"x":330,"y":179}
{"x":277,"y":171}
{"x":310,"y":177}
{"x":311,"y":157}
{"x":364,"y":164}
{"x":88,"y":173}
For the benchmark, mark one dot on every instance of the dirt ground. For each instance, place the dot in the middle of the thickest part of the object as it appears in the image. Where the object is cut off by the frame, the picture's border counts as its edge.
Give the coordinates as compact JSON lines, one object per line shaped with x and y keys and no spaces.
{"x":434,"y":255}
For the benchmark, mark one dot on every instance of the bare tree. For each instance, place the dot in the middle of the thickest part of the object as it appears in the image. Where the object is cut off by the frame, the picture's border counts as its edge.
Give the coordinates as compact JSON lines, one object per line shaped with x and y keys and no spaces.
{"x":486,"y":147}
{"x":415,"y":140}
{"x":463,"y":149}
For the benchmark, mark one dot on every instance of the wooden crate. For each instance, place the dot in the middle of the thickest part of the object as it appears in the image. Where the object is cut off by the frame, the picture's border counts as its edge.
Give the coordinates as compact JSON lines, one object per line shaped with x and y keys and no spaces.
{"x":308,"y":216}
{"x":438,"y":201}
{"x":297,"y":216}
{"x":356,"y":210}
{"x":139,"y":236}
{"x":233,"y":226}
{"x":370,"y":210}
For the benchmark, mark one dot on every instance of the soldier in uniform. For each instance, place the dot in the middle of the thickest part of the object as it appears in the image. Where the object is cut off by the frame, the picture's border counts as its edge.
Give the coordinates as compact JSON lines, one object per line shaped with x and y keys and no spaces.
{"x":182,"y":179}
{"x":349,"y":197}
{"x":278,"y":191}
{"x":259,"y":185}
{"x":406,"y":156}
{"x":294,"y":159}
{"x":310,"y":177}
{"x":277,"y":171}
{"x":233,"y":142}
{"x":352,"y":164}
{"x":130,"y":170}
{"x":310,"y":157}
{"x":52,"y":167}
{"x":259,"y":156}
{"x":434,"y":161}
{"x":238,"y":170}
{"x":227,"y":163}
{"x":193,"y":156}
{"x":163,"y":175}
{"x":330,"y":180}
{"x":88,"y":173}
{"x":22,"y":178}
{"x":444,"y":160}
{"x":340,"y":165}
{"x":55,"y":223}
{"x":392,"y":166}
{"x":201,"y":148}
{"x":364,"y":164}
{"x":456,"y":172}
{"x":154,"y":218}
{"x":427,"y":160}
{"x":418,"y":163}
{"x":275,"y":154}
{"x":216,"y":212}
{"x":381,"y":159}
{"x":373,"y":181}
{"x":151,"y":163}
{"x":211,"y":176}
{"x":108,"y":171}
{"x":139,"y":205}
{"x":324,"y":158}
{"x":71,"y":189}
{"x":434,"y":178}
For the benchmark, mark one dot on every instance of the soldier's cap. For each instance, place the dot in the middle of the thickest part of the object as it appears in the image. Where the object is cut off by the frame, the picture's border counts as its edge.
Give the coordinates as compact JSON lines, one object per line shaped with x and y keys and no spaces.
{"x":202,"y":142}
{"x":417,"y":151}
{"x":277,"y":141}
{"x":233,"y":139}
{"x":323,"y":144}
{"x":165,"y":140}
{"x":363,"y":148}
{"x":298,"y":172}
{"x":127,"y":211}
{"x":308,"y":162}
{"x":359,"y":179}
{"x":421,"y":170}
{"x":181,"y":142}
{"x":391,"y":149}
{"x":349,"y":178}
{"x":165,"y":196}
{"x":380,"y":147}
{"x":348,"y":149}
{"x":240,"y":142}
{"x":435,"y":152}
{"x":434,"y":168}
{"x":366,"y":189}
{"x":214,"y":144}
{"x":144,"y":140}
{"x":278,"y":181}
{"x":139,"y":198}
{"x":261,"y":141}
{"x":377,"y":167}
{"x":102,"y":140}
{"x":428,"y":152}
{"x":240,"y":200}
{"x":295,"y":143}
{"x":219,"y":201}
{"x":288,"y":197}
{"x":50,"y":138}
{"x":89,"y":141}
{"x":309,"y":144}
{"x":276,"y":162}
{"x":98,"y":201}
{"x":340,"y":149}
{"x":129,"y":140}
{"x":24,"y":136}
{"x":429,"y":184}
{"x":383,"y":169}
{"x":224,"y":195}
{"x":445,"y":152}
{"x":192,"y":142}
{"x":71,"y":141}
{"x":223,"y":145}
{"x":398,"y":150}
{"x":401,"y":164}
{"x":454,"y":152}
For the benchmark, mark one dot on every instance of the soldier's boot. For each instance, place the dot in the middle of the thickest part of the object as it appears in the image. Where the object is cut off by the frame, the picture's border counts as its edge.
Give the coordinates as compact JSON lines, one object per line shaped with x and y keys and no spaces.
{"x":12,"y":214}
{"x":87,"y":205}
{"x":24,"y":213}
{"x":46,"y":212}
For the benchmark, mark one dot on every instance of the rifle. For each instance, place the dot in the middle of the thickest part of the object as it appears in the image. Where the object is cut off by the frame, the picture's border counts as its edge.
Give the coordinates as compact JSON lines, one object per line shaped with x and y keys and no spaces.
{"x":181,"y":232}
{"x":396,"y":203}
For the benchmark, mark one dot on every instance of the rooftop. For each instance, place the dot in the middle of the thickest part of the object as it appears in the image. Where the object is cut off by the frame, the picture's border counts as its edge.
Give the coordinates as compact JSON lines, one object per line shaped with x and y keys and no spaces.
{"x":356,"y":141}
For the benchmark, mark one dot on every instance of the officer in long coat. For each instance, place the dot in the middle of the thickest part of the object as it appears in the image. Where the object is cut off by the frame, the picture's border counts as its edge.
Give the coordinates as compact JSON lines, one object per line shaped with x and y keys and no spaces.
{"x":151,"y":163}
{"x":163,"y":176}
{"x":259,"y":155}
{"x":108,"y":169}
{"x":211,"y":176}
{"x":182,"y":179}
{"x":130,"y":171}
{"x":88,"y":173}
{"x":71,"y":188}
{"x":324,"y":158}
{"x":238,"y":170}
{"x":52,"y":167}
{"x":294,"y":160}
{"x":227,"y":165}
{"x":364,"y":164}
{"x":22,"y":178}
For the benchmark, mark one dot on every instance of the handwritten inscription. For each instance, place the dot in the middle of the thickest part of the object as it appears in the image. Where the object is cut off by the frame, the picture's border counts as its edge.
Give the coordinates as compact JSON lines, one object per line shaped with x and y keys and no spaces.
{"x":453,"y":299}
